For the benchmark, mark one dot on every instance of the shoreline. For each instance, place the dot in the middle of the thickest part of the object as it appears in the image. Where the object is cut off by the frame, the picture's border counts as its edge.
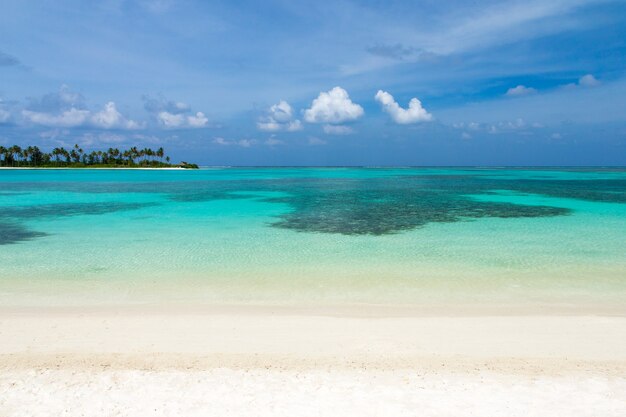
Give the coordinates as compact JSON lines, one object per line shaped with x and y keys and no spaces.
{"x":83,"y":168}
{"x":256,"y":337}
{"x":452,"y":309}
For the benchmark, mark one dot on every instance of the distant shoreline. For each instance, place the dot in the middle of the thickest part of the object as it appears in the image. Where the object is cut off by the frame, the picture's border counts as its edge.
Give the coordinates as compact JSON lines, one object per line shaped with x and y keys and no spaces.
{"x":98,"y":168}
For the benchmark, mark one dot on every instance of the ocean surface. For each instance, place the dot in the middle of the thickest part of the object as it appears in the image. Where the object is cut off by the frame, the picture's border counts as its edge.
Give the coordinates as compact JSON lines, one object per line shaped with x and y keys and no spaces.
{"x":409,"y":236}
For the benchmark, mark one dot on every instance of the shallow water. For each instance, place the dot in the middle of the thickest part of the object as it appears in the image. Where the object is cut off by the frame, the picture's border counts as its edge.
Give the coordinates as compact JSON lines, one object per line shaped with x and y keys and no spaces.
{"x":409,"y":236}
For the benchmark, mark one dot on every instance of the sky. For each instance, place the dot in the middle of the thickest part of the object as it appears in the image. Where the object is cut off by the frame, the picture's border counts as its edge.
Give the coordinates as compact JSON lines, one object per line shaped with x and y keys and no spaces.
{"x":281,"y":82}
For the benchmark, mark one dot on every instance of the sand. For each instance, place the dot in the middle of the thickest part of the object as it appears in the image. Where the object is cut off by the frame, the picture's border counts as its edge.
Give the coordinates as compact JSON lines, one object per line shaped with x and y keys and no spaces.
{"x":297,"y":362}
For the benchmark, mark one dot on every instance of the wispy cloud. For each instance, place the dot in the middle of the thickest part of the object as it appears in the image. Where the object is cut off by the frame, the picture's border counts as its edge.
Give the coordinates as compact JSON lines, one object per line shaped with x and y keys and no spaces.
{"x":315,"y":141}
{"x":244,"y":143}
{"x":395,"y":51}
{"x":337,"y":130}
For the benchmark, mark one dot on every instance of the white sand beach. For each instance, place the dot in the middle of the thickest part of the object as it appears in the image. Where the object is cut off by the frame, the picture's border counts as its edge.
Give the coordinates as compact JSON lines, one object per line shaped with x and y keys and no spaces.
{"x":243,"y":361}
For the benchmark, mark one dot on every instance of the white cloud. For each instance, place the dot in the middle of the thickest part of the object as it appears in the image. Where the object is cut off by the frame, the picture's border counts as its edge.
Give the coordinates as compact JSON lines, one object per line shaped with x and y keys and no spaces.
{"x":174,"y":114}
{"x":415,"y":113}
{"x":588,"y":81}
{"x":338,"y":130}
{"x":199,"y":120}
{"x":67,"y":109}
{"x":179,"y":120}
{"x":520,"y":90}
{"x":465,"y":135}
{"x":244,"y":143}
{"x":110,"y":118}
{"x":68,"y":118}
{"x":508,"y":126}
{"x":279,"y":117}
{"x":468,"y":126}
{"x":168,"y":119}
{"x":333,"y":107}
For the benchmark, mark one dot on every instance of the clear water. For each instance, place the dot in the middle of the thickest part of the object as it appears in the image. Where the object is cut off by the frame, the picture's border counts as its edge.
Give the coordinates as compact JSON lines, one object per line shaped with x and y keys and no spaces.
{"x":306,"y":235}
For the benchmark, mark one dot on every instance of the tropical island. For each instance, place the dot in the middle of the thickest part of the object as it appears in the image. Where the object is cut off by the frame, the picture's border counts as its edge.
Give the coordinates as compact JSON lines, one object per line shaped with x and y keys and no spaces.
{"x":33,"y":157}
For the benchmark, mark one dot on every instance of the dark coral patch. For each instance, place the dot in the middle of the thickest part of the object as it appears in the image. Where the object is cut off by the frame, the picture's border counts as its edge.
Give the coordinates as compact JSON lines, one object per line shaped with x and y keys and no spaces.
{"x":378,"y":207}
{"x":64,"y":210}
{"x":14,"y":233}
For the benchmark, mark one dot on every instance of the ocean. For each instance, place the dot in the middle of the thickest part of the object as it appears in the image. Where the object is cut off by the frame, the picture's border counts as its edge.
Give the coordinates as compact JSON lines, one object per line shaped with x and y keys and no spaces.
{"x":539,"y":237}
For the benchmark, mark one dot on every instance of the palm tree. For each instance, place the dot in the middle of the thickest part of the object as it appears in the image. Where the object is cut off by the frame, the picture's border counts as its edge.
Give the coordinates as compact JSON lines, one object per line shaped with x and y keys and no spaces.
{"x":56,"y":152}
{"x":76,"y":154}
{"x":66,"y":155}
{"x":25,"y":154}
{"x":17,"y":151}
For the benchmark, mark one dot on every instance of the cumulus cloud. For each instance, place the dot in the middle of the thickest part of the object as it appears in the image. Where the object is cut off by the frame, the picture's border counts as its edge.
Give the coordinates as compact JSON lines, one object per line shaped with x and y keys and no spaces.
{"x":66,"y":109}
{"x":108,"y":118}
{"x":168,"y":119}
{"x":178,"y":120}
{"x":588,"y":80}
{"x":338,"y":130}
{"x":68,"y":118}
{"x":415,"y":113}
{"x":520,"y":90}
{"x":111,"y":118}
{"x":333,"y":107}
{"x":198,"y":120}
{"x":174,"y":114}
{"x":279,"y":117}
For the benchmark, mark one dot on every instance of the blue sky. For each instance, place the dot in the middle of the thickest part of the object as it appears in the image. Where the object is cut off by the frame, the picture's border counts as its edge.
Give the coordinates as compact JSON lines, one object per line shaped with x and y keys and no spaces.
{"x":320,"y":83}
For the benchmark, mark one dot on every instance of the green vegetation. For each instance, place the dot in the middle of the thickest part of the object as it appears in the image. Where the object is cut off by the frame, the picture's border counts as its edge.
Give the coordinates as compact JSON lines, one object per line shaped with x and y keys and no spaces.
{"x":32,"y":156}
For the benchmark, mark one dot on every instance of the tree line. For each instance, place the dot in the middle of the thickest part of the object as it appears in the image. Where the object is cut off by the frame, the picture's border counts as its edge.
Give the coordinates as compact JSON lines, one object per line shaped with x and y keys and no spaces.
{"x":76,"y":157}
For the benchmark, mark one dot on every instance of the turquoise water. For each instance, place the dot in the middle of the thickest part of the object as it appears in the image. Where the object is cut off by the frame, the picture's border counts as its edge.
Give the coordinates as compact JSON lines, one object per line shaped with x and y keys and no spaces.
{"x":295,"y":235}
